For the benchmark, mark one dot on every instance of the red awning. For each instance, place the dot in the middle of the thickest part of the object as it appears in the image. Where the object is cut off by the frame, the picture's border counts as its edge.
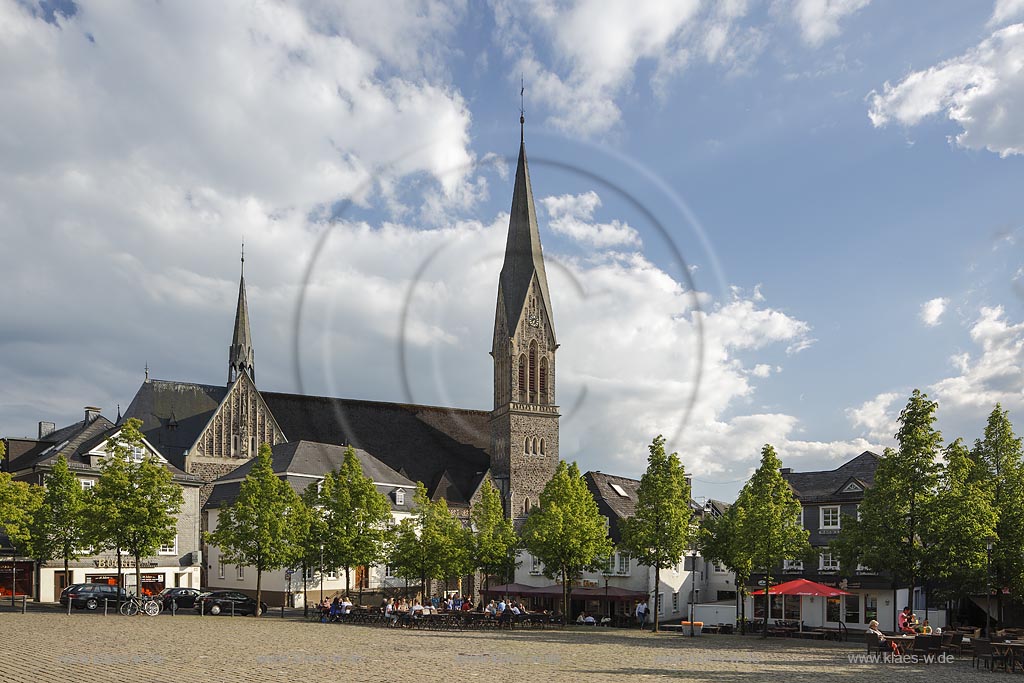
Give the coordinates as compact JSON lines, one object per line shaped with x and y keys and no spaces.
{"x":803,"y":587}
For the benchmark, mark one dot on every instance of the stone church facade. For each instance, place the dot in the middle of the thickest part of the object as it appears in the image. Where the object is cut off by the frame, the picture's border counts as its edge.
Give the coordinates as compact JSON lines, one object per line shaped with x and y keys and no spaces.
{"x":211,"y":430}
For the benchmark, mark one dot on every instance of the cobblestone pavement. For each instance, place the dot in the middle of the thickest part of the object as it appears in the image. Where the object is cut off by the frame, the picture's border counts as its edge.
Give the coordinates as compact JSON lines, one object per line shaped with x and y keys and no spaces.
{"x":41,"y":646}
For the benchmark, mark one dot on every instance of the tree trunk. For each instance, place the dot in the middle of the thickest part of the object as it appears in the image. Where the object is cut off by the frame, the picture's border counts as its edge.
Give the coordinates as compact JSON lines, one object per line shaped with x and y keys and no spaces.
{"x":895,"y":609}
{"x":767,"y":602}
{"x":565,"y":595}
{"x":120,"y":580}
{"x":348,"y":579}
{"x":138,"y":575}
{"x":259,"y":592}
{"x":305,"y":597}
{"x":657,"y":585}
{"x":742,"y":589}
{"x":67,"y":577}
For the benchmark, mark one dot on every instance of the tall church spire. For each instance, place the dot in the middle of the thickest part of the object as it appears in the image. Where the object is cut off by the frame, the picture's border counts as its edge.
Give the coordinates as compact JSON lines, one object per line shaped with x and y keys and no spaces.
{"x":524,"y":257}
{"x":241,"y":357}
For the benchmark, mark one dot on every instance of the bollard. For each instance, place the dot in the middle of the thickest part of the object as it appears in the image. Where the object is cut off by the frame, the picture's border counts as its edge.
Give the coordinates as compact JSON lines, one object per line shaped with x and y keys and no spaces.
{"x":202,"y":604}
{"x":24,"y":604}
{"x":69,"y":605}
{"x":105,"y":601}
{"x":282,"y":608}
{"x":232,"y":608}
{"x":174,"y":606}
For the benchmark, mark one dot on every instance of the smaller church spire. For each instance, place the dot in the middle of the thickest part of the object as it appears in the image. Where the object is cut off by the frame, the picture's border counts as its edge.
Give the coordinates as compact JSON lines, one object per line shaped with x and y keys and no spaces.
{"x":240,"y":354}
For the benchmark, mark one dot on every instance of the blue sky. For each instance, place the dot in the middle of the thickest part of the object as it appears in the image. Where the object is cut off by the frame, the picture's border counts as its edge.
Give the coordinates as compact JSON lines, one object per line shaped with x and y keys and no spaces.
{"x":826,"y":168}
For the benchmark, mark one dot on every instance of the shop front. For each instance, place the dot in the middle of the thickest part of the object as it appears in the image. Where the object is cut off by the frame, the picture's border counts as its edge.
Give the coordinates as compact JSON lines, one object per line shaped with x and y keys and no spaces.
{"x":16,"y":578}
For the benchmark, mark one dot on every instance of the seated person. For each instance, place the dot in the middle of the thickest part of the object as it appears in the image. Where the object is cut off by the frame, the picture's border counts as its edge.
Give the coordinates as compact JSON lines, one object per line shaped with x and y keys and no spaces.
{"x":467,"y":606}
{"x":925,"y":628}
{"x":581,"y":618}
{"x":590,"y":621}
{"x":873,"y":628}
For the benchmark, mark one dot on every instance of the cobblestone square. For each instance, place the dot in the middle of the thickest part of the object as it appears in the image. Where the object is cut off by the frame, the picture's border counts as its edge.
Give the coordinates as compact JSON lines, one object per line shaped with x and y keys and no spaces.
{"x":41,"y":646}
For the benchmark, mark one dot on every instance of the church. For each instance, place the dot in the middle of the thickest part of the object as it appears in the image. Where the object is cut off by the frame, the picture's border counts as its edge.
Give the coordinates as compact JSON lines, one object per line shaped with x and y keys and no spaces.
{"x":210,"y":430}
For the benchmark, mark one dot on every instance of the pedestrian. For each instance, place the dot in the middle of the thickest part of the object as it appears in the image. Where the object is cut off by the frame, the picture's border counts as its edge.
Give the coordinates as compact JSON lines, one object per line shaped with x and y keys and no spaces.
{"x":641,"y":613}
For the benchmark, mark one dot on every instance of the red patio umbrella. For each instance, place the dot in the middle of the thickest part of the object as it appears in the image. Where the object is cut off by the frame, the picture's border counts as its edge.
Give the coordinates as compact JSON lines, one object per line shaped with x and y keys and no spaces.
{"x":801,"y":588}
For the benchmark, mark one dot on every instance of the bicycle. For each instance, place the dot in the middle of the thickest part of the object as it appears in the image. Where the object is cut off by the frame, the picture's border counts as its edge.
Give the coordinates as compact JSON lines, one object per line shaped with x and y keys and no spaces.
{"x":147,"y":605}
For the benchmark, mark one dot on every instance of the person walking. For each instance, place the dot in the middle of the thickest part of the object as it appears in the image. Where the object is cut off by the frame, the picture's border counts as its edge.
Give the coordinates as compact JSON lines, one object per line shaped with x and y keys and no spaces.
{"x":641,"y":613}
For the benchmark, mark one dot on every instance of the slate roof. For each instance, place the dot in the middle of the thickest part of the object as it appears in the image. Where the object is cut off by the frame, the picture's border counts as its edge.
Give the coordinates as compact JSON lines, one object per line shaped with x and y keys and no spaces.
{"x":67,"y":441}
{"x":173,"y":414}
{"x":825,"y":485}
{"x":609,"y":502}
{"x":523,"y":253}
{"x":441,"y":447}
{"x":303,"y":462}
{"x":74,"y":443}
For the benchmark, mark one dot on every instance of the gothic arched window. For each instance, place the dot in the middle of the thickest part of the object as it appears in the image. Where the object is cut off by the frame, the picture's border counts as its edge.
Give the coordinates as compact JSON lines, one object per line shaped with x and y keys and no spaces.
{"x":535,"y":445}
{"x":533,"y":372}
{"x":526,"y":445}
{"x":542,"y":446}
{"x":522,"y":378}
{"x":544,"y":380}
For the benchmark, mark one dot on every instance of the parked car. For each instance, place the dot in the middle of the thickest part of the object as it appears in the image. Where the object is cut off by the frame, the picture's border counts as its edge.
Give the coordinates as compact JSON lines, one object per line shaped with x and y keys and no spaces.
{"x":219,"y":602}
{"x":90,"y":595}
{"x":184,"y":597}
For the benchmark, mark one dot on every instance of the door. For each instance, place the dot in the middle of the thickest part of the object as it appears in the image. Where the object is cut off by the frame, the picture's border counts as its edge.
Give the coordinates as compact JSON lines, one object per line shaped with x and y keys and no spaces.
{"x":60,"y":582}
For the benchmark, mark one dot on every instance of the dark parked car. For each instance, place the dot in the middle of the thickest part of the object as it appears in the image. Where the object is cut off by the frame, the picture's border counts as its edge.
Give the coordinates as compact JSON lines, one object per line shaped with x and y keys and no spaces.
{"x":184,"y":597}
{"x":90,"y":595}
{"x":219,"y":602}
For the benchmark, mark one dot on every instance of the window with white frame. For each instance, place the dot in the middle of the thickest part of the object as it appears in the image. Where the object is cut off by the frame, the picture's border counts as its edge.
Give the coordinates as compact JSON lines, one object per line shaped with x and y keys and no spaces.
{"x":332,"y":574}
{"x":719,"y":568}
{"x":87,"y":484}
{"x":240,"y":568}
{"x":169,"y":548}
{"x":792,"y":565}
{"x":535,"y":568}
{"x":389,"y":571}
{"x":829,"y":562}
{"x":138,"y":453}
{"x":220,"y":567}
{"x":400,"y":497}
{"x":623,"y":564}
{"x":829,"y":516}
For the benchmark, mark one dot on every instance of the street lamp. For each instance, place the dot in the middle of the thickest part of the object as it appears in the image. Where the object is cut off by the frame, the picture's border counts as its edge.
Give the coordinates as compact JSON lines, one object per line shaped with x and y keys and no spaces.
{"x":693,"y":586}
{"x":321,"y":573}
{"x":988,"y":589}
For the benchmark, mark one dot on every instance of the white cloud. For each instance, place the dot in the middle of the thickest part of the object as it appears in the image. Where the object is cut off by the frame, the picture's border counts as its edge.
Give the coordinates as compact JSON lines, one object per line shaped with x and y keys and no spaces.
{"x":819,"y":19}
{"x":982,"y":91}
{"x":932,"y":310}
{"x":572,"y":215}
{"x":580,"y":57}
{"x":1006,"y":10}
{"x":876,"y":416}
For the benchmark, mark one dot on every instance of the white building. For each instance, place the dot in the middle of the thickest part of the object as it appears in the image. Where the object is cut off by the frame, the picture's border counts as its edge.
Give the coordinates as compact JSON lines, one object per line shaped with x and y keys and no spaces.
{"x":302,"y":464}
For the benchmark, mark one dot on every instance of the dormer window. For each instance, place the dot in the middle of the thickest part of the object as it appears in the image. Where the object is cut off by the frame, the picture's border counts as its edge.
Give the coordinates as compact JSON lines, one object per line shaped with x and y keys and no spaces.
{"x":400,"y":497}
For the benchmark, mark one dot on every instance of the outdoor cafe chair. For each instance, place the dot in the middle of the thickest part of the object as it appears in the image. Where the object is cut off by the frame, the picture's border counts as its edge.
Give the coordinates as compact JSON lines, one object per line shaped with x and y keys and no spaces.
{"x":954,"y":643}
{"x":984,"y":654}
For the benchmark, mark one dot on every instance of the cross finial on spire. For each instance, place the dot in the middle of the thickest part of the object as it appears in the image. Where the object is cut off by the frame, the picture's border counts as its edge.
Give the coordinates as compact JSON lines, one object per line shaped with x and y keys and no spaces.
{"x":522,"y":106}
{"x":147,"y":370}
{"x":243,"y":257}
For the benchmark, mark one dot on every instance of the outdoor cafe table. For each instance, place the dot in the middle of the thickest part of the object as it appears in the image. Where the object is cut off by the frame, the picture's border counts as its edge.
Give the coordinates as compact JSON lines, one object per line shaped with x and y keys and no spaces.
{"x":1014,"y":650}
{"x":901,"y":641}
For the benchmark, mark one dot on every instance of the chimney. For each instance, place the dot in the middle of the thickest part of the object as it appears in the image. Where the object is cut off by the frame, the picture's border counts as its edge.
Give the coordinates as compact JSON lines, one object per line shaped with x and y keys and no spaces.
{"x":45,"y":429}
{"x":786,"y":470}
{"x":91,"y":413}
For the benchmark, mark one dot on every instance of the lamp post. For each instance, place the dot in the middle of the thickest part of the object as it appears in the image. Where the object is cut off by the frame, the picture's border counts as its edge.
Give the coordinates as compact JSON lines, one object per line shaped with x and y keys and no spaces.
{"x":693,"y":585}
{"x":321,"y":573}
{"x":988,"y":589}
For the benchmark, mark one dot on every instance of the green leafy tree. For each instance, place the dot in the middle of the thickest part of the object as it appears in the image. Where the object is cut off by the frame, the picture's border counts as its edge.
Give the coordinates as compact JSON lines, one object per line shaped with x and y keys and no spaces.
{"x":356,"y":518}
{"x":959,"y":522}
{"x":567,"y":532}
{"x":409,"y":558}
{"x":19,"y":502}
{"x":58,"y":528}
{"x":1002,"y":474}
{"x":888,"y":536}
{"x":134,"y":504}
{"x":310,"y":528}
{"x":769,"y":520}
{"x":661,"y":529}
{"x":259,"y":529}
{"x":494,"y":538}
{"x":719,"y":541}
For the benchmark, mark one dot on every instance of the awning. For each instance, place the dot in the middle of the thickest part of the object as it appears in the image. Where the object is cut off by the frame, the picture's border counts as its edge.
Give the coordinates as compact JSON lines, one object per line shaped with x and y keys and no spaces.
{"x":803,"y":587}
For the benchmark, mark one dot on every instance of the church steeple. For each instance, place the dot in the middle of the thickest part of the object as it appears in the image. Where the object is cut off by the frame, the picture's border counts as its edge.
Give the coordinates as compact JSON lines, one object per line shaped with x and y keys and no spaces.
{"x":241,"y":357}
{"x":524,"y":421}
{"x":524,"y":259}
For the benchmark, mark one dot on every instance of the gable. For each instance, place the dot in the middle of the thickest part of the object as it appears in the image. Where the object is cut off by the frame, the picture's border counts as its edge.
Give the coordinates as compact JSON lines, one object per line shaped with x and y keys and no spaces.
{"x":238,"y":426}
